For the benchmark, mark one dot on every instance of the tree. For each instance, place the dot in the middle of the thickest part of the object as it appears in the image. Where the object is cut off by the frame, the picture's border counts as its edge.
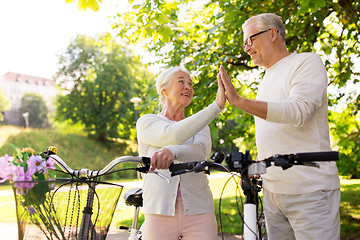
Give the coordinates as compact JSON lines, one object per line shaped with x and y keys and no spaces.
{"x":204,"y":35}
{"x":99,"y":78}
{"x":4,"y":105}
{"x":211,"y":34}
{"x":35,"y":105}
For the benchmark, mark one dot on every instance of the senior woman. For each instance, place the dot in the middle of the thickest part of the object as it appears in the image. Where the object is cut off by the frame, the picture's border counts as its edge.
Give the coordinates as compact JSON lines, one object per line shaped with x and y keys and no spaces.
{"x":184,"y":208}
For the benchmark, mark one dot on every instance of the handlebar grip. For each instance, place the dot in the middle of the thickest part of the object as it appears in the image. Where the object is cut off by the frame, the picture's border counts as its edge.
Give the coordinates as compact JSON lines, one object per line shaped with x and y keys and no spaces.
{"x":145,"y":160}
{"x":181,"y":166}
{"x":318,"y":156}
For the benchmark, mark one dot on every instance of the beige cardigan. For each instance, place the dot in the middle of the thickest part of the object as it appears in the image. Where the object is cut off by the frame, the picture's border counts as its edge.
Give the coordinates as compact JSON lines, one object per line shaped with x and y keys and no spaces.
{"x":189,"y":140}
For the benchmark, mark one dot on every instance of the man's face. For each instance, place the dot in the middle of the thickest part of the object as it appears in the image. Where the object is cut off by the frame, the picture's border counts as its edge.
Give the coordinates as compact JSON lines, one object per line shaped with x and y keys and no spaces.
{"x":256,"y":44}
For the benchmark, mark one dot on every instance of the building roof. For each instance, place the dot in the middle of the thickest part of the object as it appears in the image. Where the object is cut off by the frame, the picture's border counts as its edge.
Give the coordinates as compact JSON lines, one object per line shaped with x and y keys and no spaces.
{"x":17,"y":77}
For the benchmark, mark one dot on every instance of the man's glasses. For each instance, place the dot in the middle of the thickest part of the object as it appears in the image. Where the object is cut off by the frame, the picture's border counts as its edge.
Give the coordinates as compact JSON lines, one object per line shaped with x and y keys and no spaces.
{"x":249,"y":41}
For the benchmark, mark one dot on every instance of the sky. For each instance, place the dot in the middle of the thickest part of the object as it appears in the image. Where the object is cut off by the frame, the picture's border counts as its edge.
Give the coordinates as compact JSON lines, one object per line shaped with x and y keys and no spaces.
{"x":34,"y":32}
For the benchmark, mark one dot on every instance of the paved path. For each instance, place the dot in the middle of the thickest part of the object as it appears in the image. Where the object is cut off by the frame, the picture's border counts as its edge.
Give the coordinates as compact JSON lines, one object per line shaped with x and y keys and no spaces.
{"x":8,"y":231}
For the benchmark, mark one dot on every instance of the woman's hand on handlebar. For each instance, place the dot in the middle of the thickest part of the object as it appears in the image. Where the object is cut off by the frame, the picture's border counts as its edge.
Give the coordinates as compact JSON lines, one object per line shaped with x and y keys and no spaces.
{"x":161,"y":159}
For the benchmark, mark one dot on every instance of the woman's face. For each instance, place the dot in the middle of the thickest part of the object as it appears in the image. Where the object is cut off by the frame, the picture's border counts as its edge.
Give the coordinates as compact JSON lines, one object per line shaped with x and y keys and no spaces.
{"x":180,"y":90}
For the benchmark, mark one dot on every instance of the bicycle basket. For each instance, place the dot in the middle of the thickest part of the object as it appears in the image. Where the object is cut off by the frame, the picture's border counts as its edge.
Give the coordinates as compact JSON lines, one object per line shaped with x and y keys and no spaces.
{"x":65,"y":209}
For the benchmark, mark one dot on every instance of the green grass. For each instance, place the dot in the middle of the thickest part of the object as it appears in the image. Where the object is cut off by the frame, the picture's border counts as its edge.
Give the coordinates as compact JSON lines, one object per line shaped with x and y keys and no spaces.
{"x":80,"y":151}
{"x":350,"y":209}
{"x":77,"y":150}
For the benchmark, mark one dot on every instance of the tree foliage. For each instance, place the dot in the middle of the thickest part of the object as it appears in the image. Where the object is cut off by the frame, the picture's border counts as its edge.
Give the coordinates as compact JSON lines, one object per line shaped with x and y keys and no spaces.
{"x":99,"y":78}
{"x":85,"y":4}
{"x":35,"y":105}
{"x":204,"y":34}
{"x":209,"y":35}
{"x":4,"y":104}
{"x":346,"y":135}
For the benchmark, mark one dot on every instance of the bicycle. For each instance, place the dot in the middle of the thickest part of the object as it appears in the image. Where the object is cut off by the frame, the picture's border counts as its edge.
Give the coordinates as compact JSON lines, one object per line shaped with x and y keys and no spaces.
{"x":73,"y":208}
{"x":240,"y":163}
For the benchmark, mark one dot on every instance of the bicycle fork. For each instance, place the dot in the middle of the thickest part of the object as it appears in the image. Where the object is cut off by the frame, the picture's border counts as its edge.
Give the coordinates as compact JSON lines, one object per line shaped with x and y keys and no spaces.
{"x":86,"y":225}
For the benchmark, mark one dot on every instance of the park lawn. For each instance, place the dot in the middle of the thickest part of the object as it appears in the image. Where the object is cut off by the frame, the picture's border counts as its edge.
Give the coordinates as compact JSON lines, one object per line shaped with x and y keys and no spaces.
{"x":350,"y":209}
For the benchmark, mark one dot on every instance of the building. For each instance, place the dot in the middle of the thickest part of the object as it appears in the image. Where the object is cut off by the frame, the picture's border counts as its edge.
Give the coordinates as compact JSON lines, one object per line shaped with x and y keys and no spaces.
{"x":14,"y":85}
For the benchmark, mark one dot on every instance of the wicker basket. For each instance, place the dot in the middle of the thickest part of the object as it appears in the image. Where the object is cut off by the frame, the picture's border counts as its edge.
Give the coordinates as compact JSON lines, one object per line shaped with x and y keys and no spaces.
{"x":65,"y":209}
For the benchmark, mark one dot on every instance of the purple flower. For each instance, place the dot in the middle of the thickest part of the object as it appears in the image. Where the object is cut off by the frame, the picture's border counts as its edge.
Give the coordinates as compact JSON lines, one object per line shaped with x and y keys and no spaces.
{"x":6,"y":168}
{"x":31,"y":210}
{"x":37,"y":163}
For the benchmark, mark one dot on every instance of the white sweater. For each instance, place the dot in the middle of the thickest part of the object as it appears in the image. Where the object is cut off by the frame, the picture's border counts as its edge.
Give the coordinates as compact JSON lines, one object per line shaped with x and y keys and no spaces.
{"x":297,"y":121}
{"x":189,"y":140}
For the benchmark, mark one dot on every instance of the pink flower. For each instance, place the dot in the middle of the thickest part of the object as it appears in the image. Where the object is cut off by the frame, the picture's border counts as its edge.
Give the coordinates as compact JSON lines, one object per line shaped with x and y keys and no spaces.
{"x":6,"y":168}
{"x":21,"y":176}
{"x":37,"y":163}
{"x":50,"y":164}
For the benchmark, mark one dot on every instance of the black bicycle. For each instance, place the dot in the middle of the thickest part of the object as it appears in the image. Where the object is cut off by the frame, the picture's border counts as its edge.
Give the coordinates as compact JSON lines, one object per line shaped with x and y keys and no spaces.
{"x":243,"y":166}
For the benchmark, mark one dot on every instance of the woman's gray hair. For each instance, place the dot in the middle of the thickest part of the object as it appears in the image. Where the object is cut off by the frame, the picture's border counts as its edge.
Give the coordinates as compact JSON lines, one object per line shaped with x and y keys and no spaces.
{"x":267,"y":20}
{"x":163,"y":81}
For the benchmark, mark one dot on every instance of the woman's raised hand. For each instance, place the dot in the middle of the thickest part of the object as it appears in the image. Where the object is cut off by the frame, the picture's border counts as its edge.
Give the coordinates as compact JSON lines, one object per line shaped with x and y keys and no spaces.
{"x":220,"y":95}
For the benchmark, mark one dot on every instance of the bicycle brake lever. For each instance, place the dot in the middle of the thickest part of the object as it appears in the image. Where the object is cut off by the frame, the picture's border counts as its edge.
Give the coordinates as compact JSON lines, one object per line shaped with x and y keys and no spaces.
{"x":143,"y":169}
{"x":161,"y":175}
{"x":311,"y":164}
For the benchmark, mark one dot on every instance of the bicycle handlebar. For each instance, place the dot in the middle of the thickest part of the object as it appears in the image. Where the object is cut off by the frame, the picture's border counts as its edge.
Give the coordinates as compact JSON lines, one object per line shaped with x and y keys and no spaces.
{"x":308,"y":159}
{"x":240,"y":162}
{"x":87,"y":173}
{"x":236,"y":162}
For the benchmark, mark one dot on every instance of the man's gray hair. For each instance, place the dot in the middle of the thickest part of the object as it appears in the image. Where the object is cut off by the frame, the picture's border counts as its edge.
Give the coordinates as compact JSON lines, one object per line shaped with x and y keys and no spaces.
{"x":267,"y":20}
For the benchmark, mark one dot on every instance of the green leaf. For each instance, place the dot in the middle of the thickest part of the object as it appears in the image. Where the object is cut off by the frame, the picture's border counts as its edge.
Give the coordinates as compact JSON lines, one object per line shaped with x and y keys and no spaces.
{"x":17,"y":151}
{"x":93,"y":5}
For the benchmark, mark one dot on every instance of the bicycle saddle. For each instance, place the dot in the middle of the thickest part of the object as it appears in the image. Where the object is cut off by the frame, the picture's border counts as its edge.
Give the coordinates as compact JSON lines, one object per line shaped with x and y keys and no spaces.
{"x":133,"y":197}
